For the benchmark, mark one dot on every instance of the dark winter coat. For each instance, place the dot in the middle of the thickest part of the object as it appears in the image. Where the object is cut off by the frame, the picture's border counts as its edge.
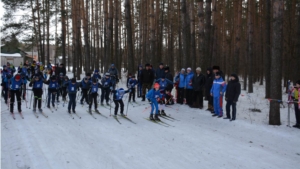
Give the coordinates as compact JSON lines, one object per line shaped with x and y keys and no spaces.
{"x":160,"y":73}
{"x":198,"y":82}
{"x":169,"y":76}
{"x":208,"y":83}
{"x":63,"y":70}
{"x":233,"y":90}
{"x":147,"y":76}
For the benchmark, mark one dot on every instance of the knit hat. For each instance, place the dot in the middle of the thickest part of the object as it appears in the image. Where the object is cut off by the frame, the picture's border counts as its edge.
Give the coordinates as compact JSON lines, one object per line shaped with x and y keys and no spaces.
{"x":217,"y":74}
{"x":53,"y":77}
{"x":121,"y":89}
{"x":167,"y":68}
{"x":298,"y":82}
{"x":156,"y":85}
{"x":198,"y":69}
{"x":189,"y":68}
{"x":96,"y":70}
{"x":73,"y":80}
{"x":161,"y":64}
{"x":88,"y":74}
{"x":183,"y":69}
{"x":94,"y":80}
{"x":147,"y":64}
{"x":107,"y":74}
{"x":112,"y":65}
{"x":18,"y":77}
{"x":133,"y":76}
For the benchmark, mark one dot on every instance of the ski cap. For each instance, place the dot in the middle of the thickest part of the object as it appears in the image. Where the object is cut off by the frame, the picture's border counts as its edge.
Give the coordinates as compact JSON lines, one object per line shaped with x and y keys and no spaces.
{"x":121,"y":89}
{"x":18,"y":77}
{"x":73,"y":80}
{"x":107,"y":74}
{"x":96,"y":70}
{"x":156,"y":85}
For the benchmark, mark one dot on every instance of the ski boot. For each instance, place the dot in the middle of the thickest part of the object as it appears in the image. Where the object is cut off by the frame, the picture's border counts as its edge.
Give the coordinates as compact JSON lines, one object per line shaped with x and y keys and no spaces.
{"x":151,"y":117}
{"x":48,"y":106}
{"x":107,"y":103}
{"x":102,"y":104}
{"x":81,"y":102}
{"x":40,"y":110}
{"x":53,"y":105}
{"x":74,"y":111}
{"x":159,"y":113}
{"x":90,"y":110}
{"x":163,"y":113}
{"x":69,"y":111}
{"x":34,"y":109}
{"x":156,"y":117}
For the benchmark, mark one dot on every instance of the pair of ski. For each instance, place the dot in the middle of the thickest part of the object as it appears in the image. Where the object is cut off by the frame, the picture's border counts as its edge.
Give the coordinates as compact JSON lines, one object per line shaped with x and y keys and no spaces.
{"x":160,"y":122}
{"x":70,"y":114}
{"x":124,"y":117}
{"x":96,"y":111}
{"x":41,"y":112}
{"x":13,"y":115}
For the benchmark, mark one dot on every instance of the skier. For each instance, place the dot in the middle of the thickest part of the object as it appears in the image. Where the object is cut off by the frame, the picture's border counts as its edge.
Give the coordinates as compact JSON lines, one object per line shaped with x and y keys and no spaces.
{"x":208,"y":84}
{"x":169,"y":76}
{"x":198,"y":83}
{"x":117,"y":97}
{"x":131,"y":85}
{"x":64,"y":88}
{"x":154,"y":96}
{"x":233,"y":92}
{"x":60,"y":82}
{"x":37,"y":88}
{"x":180,"y":79}
{"x":93,"y":93}
{"x":96,"y":75}
{"x":23,"y":89}
{"x":52,"y":90}
{"x":85,"y":83}
{"x":217,"y":91}
{"x":15,"y":85}
{"x":163,"y":83}
{"x":105,"y":89}
{"x":4,"y":82}
{"x":296,"y":99}
{"x":72,"y":87}
{"x":114,"y":75}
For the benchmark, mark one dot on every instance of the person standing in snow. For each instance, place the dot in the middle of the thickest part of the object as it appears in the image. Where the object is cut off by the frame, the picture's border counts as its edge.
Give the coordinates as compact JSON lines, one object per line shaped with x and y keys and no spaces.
{"x":52,"y":90}
{"x":131,"y":85}
{"x":117,"y":97}
{"x":217,"y":91}
{"x":180,"y":80}
{"x":189,"y":86}
{"x":93,"y":93}
{"x":37,"y":89}
{"x":208,"y":85}
{"x":105,"y":89}
{"x":198,"y":83}
{"x":233,"y":92}
{"x":163,"y":83}
{"x":147,"y":77}
{"x":139,"y":88}
{"x":72,"y":87}
{"x":96,"y":75}
{"x":160,"y":72}
{"x":296,"y":99}
{"x":15,"y":84}
{"x":154,"y":96}
{"x":114,"y":75}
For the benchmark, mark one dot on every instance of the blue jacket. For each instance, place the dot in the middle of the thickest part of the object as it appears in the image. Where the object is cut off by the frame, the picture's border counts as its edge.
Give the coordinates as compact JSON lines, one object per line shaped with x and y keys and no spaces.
{"x":153,"y":95}
{"x":163,"y":84}
{"x":85,"y":85}
{"x":72,"y":88}
{"x":37,"y":84}
{"x":106,"y":82}
{"x":131,"y":84}
{"x":118,"y":94}
{"x":96,"y":76}
{"x":4,"y":75}
{"x":181,"y":78}
{"x":15,"y":85}
{"x":219,"y":85}
{"x":188,"y":80}
{"x":94,"y":88}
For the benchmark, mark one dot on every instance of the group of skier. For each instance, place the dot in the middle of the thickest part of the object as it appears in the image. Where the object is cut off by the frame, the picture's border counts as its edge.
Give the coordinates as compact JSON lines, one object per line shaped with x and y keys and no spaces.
{"x":154,"y":85}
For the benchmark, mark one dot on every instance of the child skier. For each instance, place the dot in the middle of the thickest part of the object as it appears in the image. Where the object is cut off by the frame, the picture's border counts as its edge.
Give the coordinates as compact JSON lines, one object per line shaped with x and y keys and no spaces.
{"x":72,"y":87}
{"x":296,"y":99}
{"x":64,"y":88}
{"x":15,"y":85}
{"x":163,"y":83}
{"x":37,"y":89}
{"x":60,"y":82}
{"x":52,"y":90}
{"x":118,"y":95}
{"x":85,"y":84}
{"x":154,"y":96}
{"x":105,"y":89}
{"x":217,"y":92}
{"x":131,"y":85}
{"x":96,"y":75}
{"x":93,"y":93}
{"x":233,"y":91}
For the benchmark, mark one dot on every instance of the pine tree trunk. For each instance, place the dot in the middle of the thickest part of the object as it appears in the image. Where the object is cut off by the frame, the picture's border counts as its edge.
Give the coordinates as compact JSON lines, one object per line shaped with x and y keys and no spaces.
{"x":193,"y":59}
{"x":297,"y":45}
{"x":276,"y":62}
{"x":201,"y":32}
{"x":238,"y":31}
{"x":267,"y":49}
{"x":130,"y":53}
{"x":116,"y":39}
{"x":185,"y":34}
{"x":63,"y":31}
{"x":152,"y":31}
{"x":207,"y":31}
{"x":250,"y":45}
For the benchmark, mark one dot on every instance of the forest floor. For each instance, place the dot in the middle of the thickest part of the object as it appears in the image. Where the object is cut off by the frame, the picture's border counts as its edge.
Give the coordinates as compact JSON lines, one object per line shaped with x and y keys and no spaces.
{"x":195,"y":140}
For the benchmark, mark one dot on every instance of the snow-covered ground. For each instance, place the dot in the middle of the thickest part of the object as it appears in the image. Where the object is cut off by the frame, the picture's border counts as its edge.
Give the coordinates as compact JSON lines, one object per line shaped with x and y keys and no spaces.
{"x":198,"y":140}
